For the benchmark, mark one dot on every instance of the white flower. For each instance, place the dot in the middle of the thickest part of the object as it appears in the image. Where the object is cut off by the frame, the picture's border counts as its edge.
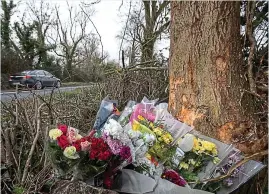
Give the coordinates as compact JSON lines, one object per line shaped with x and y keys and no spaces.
{"x":134,"y":134}
{"x":149,"y":138}
{"x":113,"y":128}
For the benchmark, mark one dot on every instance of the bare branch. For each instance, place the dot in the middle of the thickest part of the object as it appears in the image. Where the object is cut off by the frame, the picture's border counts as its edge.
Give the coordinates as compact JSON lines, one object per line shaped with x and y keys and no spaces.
{"x":130,"y":6}
{"x":100,"y":38}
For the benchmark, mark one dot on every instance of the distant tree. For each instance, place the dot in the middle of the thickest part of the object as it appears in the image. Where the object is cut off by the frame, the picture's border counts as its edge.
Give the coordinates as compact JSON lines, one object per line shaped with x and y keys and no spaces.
{"x":5,"y":23}
{"x":144,"y":25}
{"x":26,"y":48}
{"x":69,"y":36}
{"x":43,"y":18}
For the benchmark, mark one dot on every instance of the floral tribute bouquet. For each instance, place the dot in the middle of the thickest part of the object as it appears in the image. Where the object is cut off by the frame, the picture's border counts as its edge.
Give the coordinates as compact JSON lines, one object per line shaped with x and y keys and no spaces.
{"x":198,"y":153}
{"x":63,"y":148}
{"x":88,"y":158}
{"x":94,"y":160}
{"x":145,"y":143}
{"x":232,"y":159}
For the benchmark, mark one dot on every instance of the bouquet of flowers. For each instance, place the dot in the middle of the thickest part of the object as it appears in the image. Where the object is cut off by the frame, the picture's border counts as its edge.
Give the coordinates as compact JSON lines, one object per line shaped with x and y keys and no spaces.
{"x":232,"y":159}
{"x":63,"y":148}
{"x":148,"y":140}
{"x":198,"y":153}
{"x":94,"y":159}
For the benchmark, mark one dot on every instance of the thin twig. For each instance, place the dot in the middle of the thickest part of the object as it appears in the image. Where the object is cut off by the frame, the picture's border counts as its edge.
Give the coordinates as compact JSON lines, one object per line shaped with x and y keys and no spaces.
{"x":124,"y":32}
{"x":27,"y":164}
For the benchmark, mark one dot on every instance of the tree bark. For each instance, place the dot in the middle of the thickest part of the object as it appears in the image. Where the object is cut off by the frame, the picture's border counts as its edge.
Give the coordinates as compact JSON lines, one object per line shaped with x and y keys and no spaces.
{"x":207,"y":82}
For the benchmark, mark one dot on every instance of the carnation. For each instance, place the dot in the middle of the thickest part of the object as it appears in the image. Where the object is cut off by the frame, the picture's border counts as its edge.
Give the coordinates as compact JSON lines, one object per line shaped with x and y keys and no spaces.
{"x":125,"y":153}
{"x":114,"y":145}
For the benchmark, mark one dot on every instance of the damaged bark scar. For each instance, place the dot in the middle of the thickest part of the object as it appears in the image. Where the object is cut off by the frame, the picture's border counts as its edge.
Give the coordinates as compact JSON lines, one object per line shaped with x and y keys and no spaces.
{"x":190,"y":115}
{"x":174,"y":82}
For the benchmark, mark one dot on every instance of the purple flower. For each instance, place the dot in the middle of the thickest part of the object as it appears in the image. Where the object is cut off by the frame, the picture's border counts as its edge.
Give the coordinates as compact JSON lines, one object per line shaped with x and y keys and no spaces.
{"x":125,"y":153}
{"x":114,"y":145}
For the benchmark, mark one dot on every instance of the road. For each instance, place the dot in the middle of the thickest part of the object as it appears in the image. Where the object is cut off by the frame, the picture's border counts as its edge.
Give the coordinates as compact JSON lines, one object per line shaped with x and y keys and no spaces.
{"x":8,"y":95}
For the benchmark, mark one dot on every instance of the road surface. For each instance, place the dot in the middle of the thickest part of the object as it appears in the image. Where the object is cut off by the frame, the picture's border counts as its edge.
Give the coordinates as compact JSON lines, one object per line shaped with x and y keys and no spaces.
{"x":8,"y":95}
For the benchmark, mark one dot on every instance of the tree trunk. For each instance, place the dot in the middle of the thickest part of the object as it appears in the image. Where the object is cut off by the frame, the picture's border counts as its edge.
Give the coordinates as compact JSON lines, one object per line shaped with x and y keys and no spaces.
{"x":148,"y":49}
{"x":207,"y":83}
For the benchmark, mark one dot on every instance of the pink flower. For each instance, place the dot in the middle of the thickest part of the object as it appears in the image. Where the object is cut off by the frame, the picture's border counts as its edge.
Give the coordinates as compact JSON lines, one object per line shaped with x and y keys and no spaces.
{"x":71,"y":134}
{"x":85,"y":145}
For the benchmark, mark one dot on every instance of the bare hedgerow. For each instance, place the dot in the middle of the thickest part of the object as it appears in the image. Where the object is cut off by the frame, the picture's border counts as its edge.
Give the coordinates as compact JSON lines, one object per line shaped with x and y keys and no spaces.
{"x":135,"y":84}
{"x":25,"y":165}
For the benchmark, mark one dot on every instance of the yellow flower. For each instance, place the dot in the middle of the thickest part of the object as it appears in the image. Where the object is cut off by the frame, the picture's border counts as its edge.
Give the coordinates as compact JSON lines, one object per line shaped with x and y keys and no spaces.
{"x":151,"y":125}
{"x":214,"y":151}
{"x":140,"y":118}
{"x":54,"y":133}
{"x":184,"y":165}
{"x":70,"y":152}
{"x":209,"y":146}
{"x":158,"y":131}
{"x":160,"y":139}
{"x":167,"y":138}
{"x":195,"y":144}
{"x":78,"y":137}
{"x":136,"y":125}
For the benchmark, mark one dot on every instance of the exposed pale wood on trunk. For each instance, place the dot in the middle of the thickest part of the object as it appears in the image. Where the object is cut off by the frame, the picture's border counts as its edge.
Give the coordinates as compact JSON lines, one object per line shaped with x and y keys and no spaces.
{"x":207,"y":85}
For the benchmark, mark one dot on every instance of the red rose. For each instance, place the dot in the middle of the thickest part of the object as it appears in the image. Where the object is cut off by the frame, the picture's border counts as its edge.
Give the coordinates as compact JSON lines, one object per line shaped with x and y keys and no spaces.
{"x":62,"y":141}
{"x":104,"y":156}
{"x":93,"y":154}
{"x":77,"y":145}
{"x":94,"y":143}
{"x":82,"y":139}
{"x":63,"y":128}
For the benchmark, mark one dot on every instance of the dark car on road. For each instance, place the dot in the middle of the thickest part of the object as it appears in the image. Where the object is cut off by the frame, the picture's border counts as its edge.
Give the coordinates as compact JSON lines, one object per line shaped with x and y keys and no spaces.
{"x":37,"y":79}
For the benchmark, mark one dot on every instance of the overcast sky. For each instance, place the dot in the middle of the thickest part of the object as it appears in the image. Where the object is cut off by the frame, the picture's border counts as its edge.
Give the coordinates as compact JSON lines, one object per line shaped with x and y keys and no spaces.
{"x":108,"y":19}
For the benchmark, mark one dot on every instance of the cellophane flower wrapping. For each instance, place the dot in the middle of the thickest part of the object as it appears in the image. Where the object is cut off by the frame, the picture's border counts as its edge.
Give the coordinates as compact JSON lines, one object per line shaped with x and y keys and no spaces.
{"x":239,"y":176}
{"x":107,"y":107}
{"x":126,"y":113}
{"x":223,"y":150}
{"x":198,"y":153}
